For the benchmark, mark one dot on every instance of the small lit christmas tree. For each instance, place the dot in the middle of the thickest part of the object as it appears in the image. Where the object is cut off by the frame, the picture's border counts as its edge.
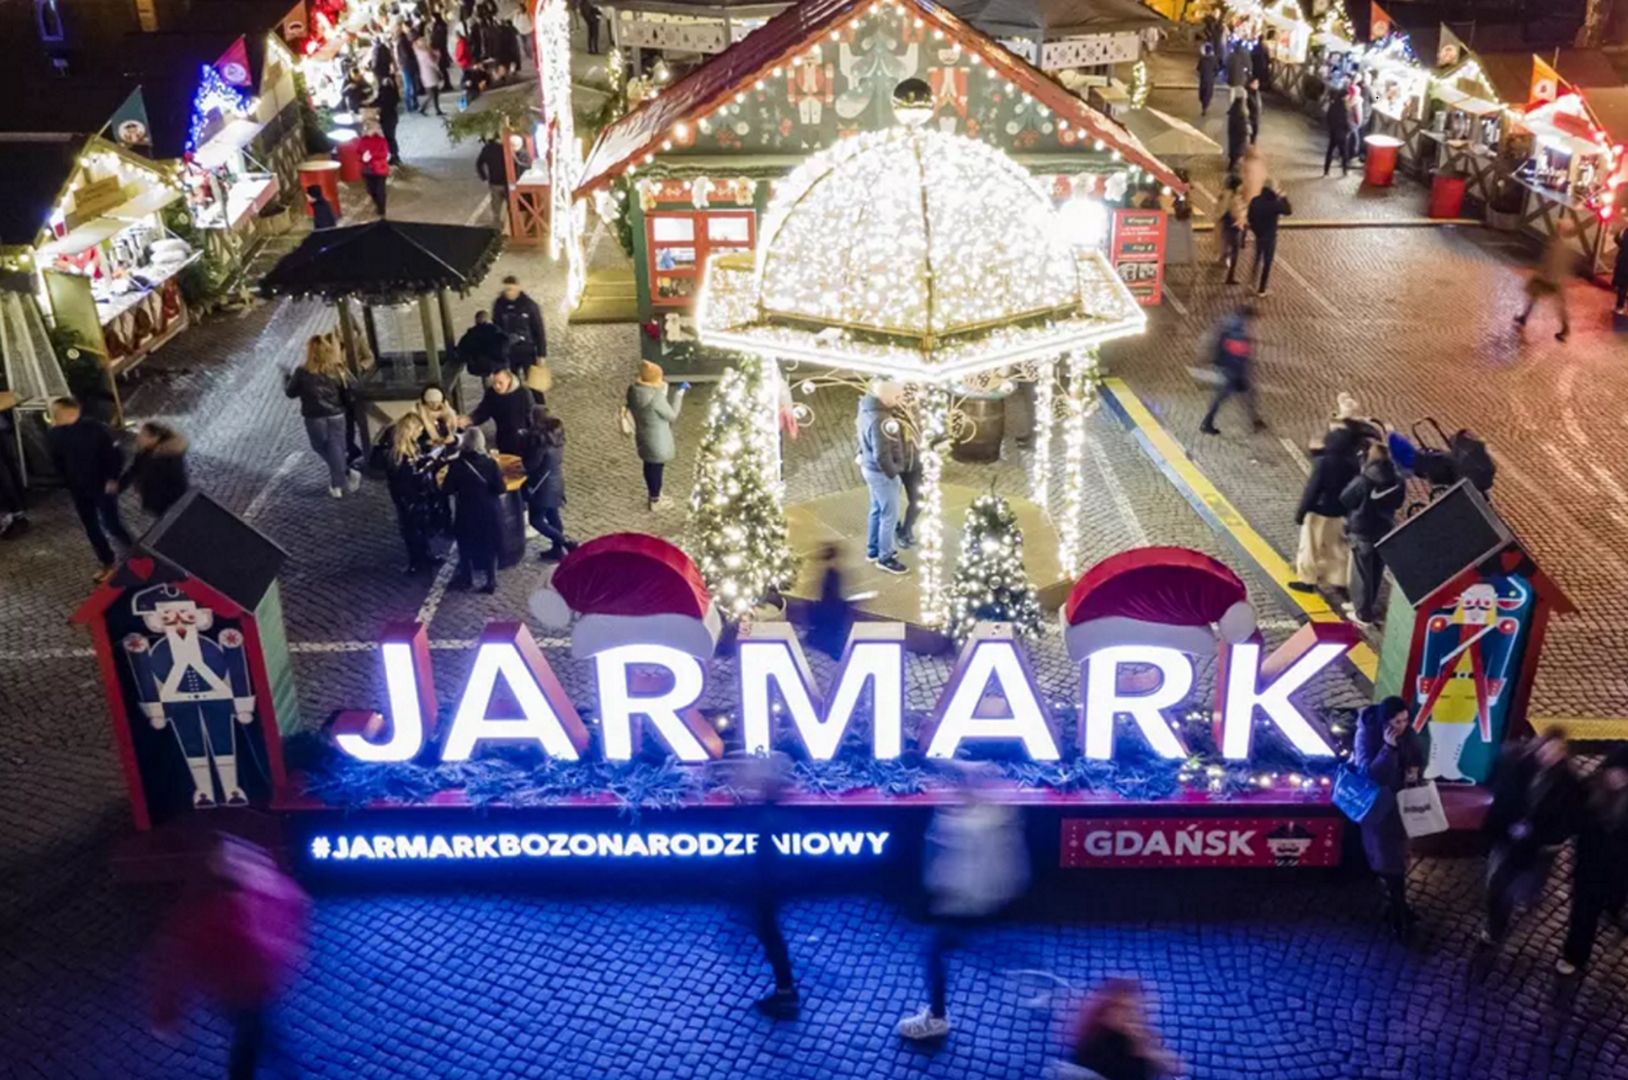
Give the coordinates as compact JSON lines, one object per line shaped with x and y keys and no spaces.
{"x":990,"y":583}
{"x":737,"y":528}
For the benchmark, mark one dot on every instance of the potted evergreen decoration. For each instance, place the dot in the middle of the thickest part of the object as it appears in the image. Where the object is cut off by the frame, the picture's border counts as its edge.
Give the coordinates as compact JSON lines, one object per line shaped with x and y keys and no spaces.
{"x":990,"y":583}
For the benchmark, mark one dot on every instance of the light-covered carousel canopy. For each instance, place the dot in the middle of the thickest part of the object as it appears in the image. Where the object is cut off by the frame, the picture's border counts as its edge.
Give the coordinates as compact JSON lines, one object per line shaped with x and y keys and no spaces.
{"x":917,"y":255}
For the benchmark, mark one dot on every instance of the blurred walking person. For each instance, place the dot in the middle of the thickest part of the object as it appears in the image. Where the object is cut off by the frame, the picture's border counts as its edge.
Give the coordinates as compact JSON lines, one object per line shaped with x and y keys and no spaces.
{"x":1619,"y":274}
{"x":1387,"y":752}
{"x":977,"y":863}
{"x":429,"y":75}
{"x":832,"y":617}
{"x":1252,"y":104}
{"x":1208,"y":67}
{"x":158,"y":470}
{"x":476,"y":484}
{"x":909,"y":478}
{"x":1600,"y":870}
{"x":651,"y":408}
{"x":1371,"y":501}
{"x":237,"y":938}
{"x":544,"y":492}
{"x":1233,"y":358}
{"x":1536,"y":799}
{"x":763,"y":785}
{"x":412,"y":88}
{"x":1113,"y":1039}
{"x":1322,"y":557}
{"x":322,"y":385}
{"x":1237,"y":129}
{"x":1549,"y":279}
{"x":89,"y":463}
{"x":490,"y":167}
{"x":1234,"y":220}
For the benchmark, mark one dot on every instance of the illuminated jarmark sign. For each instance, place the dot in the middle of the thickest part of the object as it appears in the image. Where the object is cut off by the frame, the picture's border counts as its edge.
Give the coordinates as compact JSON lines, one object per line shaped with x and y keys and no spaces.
{"x":991,"y":697}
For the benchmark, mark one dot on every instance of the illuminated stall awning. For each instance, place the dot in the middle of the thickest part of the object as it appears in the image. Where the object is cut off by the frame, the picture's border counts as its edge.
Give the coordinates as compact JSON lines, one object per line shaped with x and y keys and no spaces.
{"x":1458,"y":99}
{"x":89,"y":234}
{"x":231,"y":139}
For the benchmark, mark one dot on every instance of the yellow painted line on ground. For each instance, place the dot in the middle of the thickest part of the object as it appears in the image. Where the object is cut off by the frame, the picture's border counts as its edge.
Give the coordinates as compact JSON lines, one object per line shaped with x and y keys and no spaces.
{"x":1220,"y":510}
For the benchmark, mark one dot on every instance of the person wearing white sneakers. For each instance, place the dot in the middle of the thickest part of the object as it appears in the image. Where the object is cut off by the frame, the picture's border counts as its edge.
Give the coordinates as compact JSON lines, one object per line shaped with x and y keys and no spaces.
{"x":322,"y":385}
{"x":977,"y":863}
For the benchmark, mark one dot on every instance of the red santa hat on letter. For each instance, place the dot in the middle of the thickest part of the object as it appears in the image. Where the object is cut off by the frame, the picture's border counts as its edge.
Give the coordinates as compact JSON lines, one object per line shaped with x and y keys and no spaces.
{"x":627,"y":589}
{"x":1166,"y":596}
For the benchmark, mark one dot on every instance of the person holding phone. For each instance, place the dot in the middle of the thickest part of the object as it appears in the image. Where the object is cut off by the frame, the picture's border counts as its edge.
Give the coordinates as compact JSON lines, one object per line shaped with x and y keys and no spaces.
{"x":1388,"y":753}
{"x":654,"y":406}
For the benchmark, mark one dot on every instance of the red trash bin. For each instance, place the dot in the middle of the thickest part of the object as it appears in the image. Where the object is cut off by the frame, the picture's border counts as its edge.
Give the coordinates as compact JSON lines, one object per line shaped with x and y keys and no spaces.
{"x":1381,"y":167}
{"x":323,"y":174}
{"x":350,"y":158}
{"x":1446,"y":195}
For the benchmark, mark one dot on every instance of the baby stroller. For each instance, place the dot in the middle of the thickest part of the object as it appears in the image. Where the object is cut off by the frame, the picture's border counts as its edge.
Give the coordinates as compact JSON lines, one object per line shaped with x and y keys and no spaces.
{"x":1437,"y":461}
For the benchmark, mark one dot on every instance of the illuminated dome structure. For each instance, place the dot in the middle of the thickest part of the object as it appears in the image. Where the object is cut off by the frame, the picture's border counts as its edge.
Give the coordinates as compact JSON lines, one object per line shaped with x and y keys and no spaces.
{"x":916,"y":255}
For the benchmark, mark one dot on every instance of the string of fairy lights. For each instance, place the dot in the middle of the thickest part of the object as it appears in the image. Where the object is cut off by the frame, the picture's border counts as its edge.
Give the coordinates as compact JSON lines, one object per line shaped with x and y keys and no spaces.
{"x":568,"y":216}
{"x":1044,"y":419}
{"x":1083,"y":375}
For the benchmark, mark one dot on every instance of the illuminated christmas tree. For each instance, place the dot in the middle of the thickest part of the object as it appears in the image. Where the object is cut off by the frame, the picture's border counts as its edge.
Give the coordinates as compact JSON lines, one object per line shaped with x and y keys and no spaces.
{"x":990,"y":583}
{"x":737,"y":530}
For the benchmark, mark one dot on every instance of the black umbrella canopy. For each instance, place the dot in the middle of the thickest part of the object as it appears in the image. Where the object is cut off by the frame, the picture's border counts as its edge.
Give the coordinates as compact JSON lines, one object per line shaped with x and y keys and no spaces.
{"x":384,"y":261}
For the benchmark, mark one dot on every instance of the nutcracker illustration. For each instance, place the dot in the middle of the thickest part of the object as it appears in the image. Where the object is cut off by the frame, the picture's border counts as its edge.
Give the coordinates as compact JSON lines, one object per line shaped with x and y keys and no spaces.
{"x":1464,"y":670}
{"x":811,"y":87}
{"x":949,"y":83}
{"x":193,"y":684}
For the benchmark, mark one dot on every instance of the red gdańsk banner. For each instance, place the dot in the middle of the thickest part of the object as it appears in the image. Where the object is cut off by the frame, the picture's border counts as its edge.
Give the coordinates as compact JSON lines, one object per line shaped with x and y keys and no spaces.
{"x":1201,"y":841}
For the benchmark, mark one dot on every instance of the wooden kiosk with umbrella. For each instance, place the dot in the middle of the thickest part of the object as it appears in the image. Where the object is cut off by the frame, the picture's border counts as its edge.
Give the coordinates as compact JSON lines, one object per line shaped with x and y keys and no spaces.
{"x":390,"y":263}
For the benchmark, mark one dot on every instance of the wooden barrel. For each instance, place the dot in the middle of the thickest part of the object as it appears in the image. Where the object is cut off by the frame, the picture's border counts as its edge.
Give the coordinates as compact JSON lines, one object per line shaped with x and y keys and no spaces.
{"x":987,"y":415}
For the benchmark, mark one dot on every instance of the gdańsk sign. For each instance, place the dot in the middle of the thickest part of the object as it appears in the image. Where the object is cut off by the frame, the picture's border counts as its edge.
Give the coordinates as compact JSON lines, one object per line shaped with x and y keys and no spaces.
{"x":991,"y":698}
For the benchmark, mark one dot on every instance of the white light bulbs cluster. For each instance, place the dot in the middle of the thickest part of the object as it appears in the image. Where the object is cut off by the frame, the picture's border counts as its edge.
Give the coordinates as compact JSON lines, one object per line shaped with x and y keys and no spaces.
{"x":1083,"y":375}
{"x":567,"y":217}
{"x":933,"y":411}
{"x":991,"y":583}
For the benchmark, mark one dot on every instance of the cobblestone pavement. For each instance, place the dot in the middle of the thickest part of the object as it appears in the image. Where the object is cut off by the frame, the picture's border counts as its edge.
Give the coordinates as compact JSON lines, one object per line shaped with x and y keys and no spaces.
{"x":1256,"y":975}
{"x":1415,"y":322}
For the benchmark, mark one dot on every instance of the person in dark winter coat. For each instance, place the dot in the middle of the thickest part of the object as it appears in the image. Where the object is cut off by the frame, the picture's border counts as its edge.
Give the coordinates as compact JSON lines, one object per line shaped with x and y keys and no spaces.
{"x":1234,"y":355}
{"x":1619,"y":273}
{"x":508,"y":405}
{"x":1208,"y":68}
{"x":1338,"y":119}
{"x":591,"y":18}
{"x":476,"y":484}
{"x":1234,"y":220}
{"x":1371,"y":502}
{"x":518,"y":316}
{"x":1600,"y":869}
{"x":1252,"y":104}
{"x":544,"y":456}
{"x":158,"y":471}
{"x":1265,"y":210}
{"x":1237,"y":131}
{"x":388,"y":102}
{"x":382,"y":61}
{"x":1536,"y":802}
{"x":410,"y":472}
{"x":412,"y":87}
{"x":322,"y":213}
{"x":881,"y":459}
{"x":1322,"y":557}
{"x":1260,"y":64}
{"x":490,"y":167}
{"x":89,"y":462}
{"x":909,"y":479}
{"x":483,"y":347}
{"x":440,"y":41}
{"x":1239,"y":68}
{"x":1387,"y":752}
{"x":322,"y":385}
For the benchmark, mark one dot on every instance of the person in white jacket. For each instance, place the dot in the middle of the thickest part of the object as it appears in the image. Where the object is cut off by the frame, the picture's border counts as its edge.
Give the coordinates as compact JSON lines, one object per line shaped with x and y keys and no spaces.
{"x":976,"y":863}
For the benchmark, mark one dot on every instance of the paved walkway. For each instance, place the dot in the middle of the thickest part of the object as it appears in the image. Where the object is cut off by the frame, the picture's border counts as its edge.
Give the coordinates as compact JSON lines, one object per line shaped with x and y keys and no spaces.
{"x":1256,"y":975}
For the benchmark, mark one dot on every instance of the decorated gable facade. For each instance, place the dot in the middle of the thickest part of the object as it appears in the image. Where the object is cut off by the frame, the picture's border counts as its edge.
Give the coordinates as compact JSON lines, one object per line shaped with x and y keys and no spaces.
{"x":692,"y":167}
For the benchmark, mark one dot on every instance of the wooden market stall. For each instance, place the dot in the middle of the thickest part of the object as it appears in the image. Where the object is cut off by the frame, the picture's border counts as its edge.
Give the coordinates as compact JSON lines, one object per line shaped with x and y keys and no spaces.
{"x":690,"y":170}
{"x":88,"y":220}
{"x":1575,"y":174}
{"x":1397,"y":84}
{"x":1472,"y":124}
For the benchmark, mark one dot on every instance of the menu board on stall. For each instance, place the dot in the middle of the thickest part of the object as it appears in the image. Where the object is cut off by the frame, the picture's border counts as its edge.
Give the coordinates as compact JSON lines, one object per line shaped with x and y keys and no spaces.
{"x":1138,"y":253}
{"x":94,"y":196}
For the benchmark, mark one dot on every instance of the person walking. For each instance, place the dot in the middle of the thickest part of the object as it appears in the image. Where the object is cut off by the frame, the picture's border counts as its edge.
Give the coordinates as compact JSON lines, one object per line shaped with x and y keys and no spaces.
{"x":1549,"y":279}
{"x":407,"y":69}
{"x":382,"y":60}
{"x":1265,"y":211}
{"x":1536,"y":801}
{"x":1600,"y":867}
{"x":1260,"y":64}
{"x":89,"y":463}
{"x":544,"y":493}
{"x":483,"y":347}
{"x":507,"y":405}
{"x":387,"y":102}
{"x":881,"y":460}
{"x":1252,"y":102}
{"x":1234,"y":220}
{"x":322,"y":385}
{"x":523,"y":28}
{"x":1239,"y":68}
{"x":1322,"y":557}
{"x":429,"y":75}
{"x":1371,"y":501}
{"x":158,"y":470}
{"x":1237,"y":129}
{"x":1209,"y":66}
{"x":375,"y":153}
{"x":1232,"y":359}
{"x":490,"y":167}
{"x":831,"y":617}
{"x":238,"y":937}
{"x":1387,"y":752}
{"x":518,"y":316}
{"x":322,"y":212}
{"x":977,"y":863}
{"x":1113,"y":1039}
{"x":476,"y":485}
{"x":1337,"y":117}
{"x":652,"y":407}
{"x":762,"y":783}
{"x":410,"y":475}
{"x":441,"y":42}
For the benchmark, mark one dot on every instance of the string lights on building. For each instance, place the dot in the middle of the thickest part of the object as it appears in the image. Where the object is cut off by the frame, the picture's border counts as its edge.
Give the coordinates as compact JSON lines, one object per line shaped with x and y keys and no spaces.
{"x":567,"y":217}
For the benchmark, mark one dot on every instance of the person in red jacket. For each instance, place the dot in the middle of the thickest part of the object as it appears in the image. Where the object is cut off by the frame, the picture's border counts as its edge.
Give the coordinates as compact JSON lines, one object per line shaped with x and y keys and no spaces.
{"x":375,"y":163}
{"x":237,"y":939}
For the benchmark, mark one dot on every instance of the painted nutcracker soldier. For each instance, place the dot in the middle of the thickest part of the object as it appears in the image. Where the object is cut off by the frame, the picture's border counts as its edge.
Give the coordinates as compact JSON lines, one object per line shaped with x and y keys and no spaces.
{"x":195,"y":685}
{"x":810,"y":88}
{"x":1463,"y":672}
